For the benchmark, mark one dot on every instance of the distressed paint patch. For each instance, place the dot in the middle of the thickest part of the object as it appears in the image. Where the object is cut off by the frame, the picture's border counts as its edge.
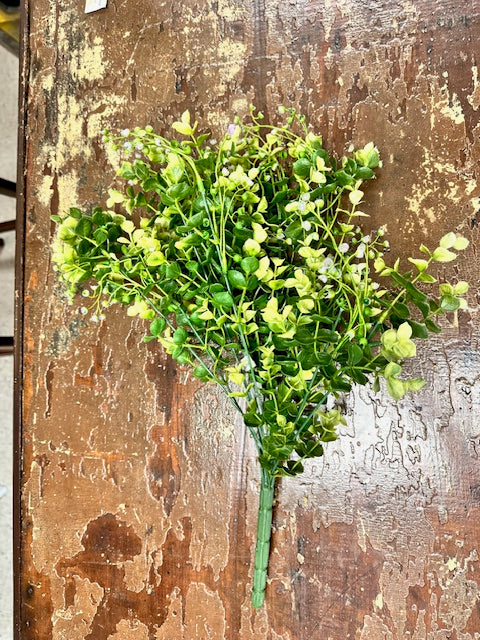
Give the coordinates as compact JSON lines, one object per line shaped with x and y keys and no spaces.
{"x":474,"y":97}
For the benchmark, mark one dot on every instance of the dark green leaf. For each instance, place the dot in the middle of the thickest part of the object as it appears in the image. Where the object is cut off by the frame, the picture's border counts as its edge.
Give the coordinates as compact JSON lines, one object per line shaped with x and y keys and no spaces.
{"x":401,"y":310}
{"x":180,"y":336}
{"x":432,"y":327}
{"x":364,"y":173}
{"x":249,"y":265}
{"x":294,"y":229}
{"x":301,"y":168}
{"x":418,"y":330}
{"x":355,"y":353}
{"x":343,"y":178}
{"x":179,"y":191}
{"x":201,"y":373}
{"x":237,"y":279}
{"x":157,"y":327}
{"x":100,"y":235}
{"x":172,"y":271}
{"x":223,"y":299}
{"x":84,"y":227}
{"x":326,"y":335}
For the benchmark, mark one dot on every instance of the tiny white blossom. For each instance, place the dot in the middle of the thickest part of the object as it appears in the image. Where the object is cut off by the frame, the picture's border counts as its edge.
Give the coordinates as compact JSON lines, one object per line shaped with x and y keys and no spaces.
{"x":306,"y":225}
{"x":85,"y":293}
{"x":83,"y":311}
{"x":124,"y":132}
{"x":343,"y":248}
{"x":128,"y":146}
{"x":139,"y":146}
{"x":212,"y":141}
{"x":302,"y":206}
{"x":94,"y":317}
{"x":366,"y":239}
{"x":158,"y":142}
{"x":305,"y":197}
{"x":375,"y":285}
{"x":360,"y":252}
{"x":131,"y":182}
{"x":225,"y":171}
{"x":323,"y":278}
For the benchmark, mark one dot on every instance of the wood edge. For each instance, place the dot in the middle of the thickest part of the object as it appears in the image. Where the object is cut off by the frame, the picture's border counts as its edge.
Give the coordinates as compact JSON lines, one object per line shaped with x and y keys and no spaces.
{"x":24,"y":66}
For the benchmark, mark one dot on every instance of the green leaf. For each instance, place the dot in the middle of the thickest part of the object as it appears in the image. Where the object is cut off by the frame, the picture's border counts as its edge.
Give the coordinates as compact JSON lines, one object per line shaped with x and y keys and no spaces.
{"x":326,"y":335}
{"x":157,"y":327}
{"x":418,"y":330}
{"x":294,"y":230}
{"x":84,"y":227}
{"x":237,"y":279}
{"x":73,"y":212}
{"x":301,"y":168}
{"x":343,"y":178}
{"x":202,"y":373}
{"x":420,"y":264}
{"x":249,"y":265}
{"x":355,"y":353}
{"x":179,"y":191}
{"x":196,"y":220}
{"x":443,"y":255}
{"x":172,"y":271}
{"x":449,"y":303}
{"x":364,"y":173}
{"x":180,"y":336}
{"x":100,"y":235}
{"x":392,"y":370}
{"x":432,"y":327}
{"x":415,"y":384}
{"x":223,"y":299}
{"x":448,"y":240}
{"x":401,"y":310}
{"x":396,"y":388}
{"x":426,"y":277}
{"x":461,"y":243}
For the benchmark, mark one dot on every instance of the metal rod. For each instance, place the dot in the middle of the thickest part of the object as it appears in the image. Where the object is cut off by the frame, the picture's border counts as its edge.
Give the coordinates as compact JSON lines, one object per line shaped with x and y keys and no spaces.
{"x":7,"y":226}
{"x":8,"y":188}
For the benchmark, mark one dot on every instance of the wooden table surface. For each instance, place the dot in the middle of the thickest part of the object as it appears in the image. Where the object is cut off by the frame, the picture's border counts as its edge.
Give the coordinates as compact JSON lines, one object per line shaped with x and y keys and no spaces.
{"x":137,"y":489}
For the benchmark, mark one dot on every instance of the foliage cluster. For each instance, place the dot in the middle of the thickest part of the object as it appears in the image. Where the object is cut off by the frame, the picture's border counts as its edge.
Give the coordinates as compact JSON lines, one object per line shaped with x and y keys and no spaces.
{"x":248,"y":260}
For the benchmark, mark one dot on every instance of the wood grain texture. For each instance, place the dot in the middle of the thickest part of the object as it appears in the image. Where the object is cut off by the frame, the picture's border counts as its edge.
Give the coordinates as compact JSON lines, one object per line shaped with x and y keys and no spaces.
{"x":139,"y":487}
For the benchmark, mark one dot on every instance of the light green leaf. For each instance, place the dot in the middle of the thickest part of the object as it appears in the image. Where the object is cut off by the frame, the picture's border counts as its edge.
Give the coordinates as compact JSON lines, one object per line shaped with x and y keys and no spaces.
{"x":442,"y":254}
{"x":396,"y":388}
{"x":460,"y":243}
{"x":420,"y":264}
{"x":448,"y":240}
{"x":461,"y":288}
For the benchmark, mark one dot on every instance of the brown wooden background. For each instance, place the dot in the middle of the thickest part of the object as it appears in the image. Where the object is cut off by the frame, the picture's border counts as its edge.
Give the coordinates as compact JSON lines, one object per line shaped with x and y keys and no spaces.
{"x":138,"y":488}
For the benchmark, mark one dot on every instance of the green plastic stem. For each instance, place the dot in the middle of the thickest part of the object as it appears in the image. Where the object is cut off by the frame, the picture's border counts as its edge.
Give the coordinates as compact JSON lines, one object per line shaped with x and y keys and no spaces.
{"x":264,"y":533}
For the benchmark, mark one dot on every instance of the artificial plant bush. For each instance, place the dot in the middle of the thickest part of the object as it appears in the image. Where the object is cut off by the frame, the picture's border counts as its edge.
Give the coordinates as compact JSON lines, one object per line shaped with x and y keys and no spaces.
{"x":247,"y":259}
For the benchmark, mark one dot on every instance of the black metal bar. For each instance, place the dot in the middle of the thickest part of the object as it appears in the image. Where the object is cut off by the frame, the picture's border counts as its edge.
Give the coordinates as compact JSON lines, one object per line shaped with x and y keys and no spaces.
{"x":9,"y":225}
{"x":8,"y":188}
{"x":6,"y":345}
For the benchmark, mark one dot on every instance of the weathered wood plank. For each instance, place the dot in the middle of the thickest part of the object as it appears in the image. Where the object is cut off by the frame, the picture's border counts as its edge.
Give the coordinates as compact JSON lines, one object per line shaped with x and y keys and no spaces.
{"x":138,"y":485}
